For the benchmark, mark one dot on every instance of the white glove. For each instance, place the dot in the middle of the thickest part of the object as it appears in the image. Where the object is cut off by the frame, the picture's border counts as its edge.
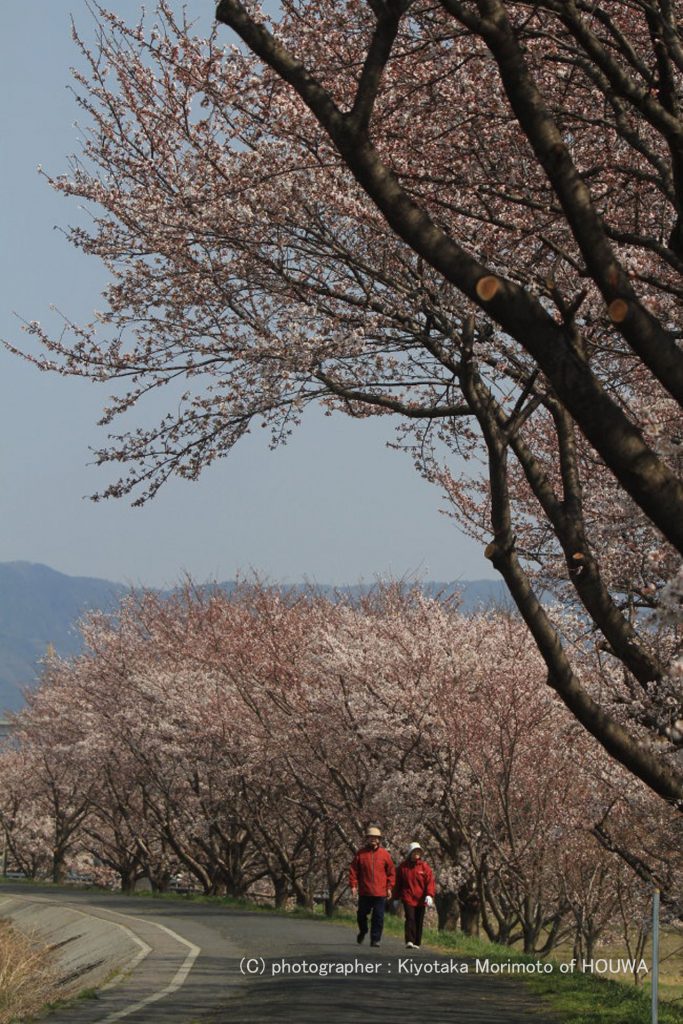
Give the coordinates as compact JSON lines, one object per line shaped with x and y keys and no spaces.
{"x":429,"y":902}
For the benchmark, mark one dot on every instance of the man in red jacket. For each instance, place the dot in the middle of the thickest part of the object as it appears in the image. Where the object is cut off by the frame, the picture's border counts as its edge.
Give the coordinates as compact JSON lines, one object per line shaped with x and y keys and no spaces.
{"x":371,"y":876}
{"x":416,"y":889}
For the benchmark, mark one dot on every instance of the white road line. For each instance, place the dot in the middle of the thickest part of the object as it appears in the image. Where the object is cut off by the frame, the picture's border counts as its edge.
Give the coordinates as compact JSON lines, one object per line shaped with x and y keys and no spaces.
{"x":131,"y":965}
{"x":179,"y":977}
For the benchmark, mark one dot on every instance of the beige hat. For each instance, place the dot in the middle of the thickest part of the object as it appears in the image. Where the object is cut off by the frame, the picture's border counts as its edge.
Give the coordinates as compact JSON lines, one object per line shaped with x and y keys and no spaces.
{"x":372,"y":831}
{"x":414,"y":846}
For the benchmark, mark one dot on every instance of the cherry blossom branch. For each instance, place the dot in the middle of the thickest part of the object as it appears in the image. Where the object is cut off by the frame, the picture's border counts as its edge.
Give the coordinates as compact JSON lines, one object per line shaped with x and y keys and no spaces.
{"x":640,"y":471}
{"x":663,"y":778}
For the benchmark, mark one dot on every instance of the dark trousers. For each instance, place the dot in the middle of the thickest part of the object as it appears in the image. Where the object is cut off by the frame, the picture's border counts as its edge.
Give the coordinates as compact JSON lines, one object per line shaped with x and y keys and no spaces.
{"x":366,"y":904}
{"x":414,"y":920}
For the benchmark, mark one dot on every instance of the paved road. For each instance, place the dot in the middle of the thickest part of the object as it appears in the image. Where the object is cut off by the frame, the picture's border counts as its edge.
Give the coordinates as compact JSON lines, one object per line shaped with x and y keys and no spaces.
{"x":195,"y":973}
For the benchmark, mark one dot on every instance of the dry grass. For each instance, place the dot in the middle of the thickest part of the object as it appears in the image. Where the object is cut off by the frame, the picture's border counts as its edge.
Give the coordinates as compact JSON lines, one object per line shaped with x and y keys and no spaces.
{"x":27,"y":976}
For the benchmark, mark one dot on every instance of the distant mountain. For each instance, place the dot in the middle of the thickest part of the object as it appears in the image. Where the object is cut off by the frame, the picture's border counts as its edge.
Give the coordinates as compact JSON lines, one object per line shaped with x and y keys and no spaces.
{"x":40,"y":607}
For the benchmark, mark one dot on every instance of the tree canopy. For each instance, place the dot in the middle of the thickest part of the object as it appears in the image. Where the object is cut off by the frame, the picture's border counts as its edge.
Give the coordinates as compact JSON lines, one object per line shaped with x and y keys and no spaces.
{"x":466,"y":215}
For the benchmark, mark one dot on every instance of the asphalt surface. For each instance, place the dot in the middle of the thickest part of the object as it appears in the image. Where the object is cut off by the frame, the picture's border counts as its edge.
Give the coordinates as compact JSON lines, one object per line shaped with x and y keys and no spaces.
{"x":211,"y":965}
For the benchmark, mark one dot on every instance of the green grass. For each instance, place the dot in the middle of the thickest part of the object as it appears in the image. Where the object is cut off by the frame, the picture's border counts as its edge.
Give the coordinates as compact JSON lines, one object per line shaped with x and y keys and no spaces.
{"x":577,"y":998}
{"x":583,"y":999}
{"x":61,"y":1004}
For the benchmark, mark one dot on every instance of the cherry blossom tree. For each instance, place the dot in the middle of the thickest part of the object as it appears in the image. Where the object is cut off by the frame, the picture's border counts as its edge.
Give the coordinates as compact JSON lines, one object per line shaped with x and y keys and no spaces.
{"x":183,"y":780}
{"x":26,"y":833}
{"x":322,"y":214}
{"x":54,"y":746}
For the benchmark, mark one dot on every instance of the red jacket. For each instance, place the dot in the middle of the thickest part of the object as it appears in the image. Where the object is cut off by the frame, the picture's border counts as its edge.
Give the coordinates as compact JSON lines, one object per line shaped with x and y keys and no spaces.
{"x":414,"y":882}
{"x":372,"y":872}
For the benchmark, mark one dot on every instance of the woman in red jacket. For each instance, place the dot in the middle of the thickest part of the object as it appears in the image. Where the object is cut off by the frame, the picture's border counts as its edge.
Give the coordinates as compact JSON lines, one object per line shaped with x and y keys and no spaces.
{"x":416,"y":889}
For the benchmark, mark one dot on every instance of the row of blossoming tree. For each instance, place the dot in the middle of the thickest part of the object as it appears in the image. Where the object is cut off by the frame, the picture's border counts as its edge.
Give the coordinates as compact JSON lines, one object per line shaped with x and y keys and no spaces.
{"x":245,"y":741}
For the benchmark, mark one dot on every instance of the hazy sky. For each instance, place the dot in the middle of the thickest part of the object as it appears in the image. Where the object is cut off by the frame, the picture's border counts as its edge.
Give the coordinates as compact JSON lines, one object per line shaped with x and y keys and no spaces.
{"x":335,"y":505}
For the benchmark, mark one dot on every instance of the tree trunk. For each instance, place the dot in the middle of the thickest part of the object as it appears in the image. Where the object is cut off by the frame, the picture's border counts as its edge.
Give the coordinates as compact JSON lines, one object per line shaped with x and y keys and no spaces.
{"x":470,"y":907}
{"x":304,"y":898}
{"x":58,"y":867}
{"x":281,"y":891}
{"x":128,"y":878}
{"x":447,"y":910}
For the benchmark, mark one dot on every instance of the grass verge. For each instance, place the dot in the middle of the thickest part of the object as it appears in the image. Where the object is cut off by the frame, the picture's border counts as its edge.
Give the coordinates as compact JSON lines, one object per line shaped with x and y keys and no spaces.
{"x":28,"y":979}
{"x":575,"y":997}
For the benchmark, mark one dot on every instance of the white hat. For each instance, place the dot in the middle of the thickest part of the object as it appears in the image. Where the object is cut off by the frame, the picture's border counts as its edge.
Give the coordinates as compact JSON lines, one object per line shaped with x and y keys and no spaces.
{"x":414,"y":846}
{"x":373,"y":831}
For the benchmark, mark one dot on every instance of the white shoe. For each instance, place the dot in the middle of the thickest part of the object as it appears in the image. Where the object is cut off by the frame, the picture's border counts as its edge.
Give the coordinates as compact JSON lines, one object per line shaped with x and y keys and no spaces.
{"x":410,"y":945}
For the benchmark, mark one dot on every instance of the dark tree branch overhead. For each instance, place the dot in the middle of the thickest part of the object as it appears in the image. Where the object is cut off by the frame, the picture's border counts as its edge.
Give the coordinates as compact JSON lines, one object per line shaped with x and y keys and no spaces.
{"x":415,"y":411}
{"x":655,"y":346}
{"x":637,"y":757}
{"x":641,"y":472}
